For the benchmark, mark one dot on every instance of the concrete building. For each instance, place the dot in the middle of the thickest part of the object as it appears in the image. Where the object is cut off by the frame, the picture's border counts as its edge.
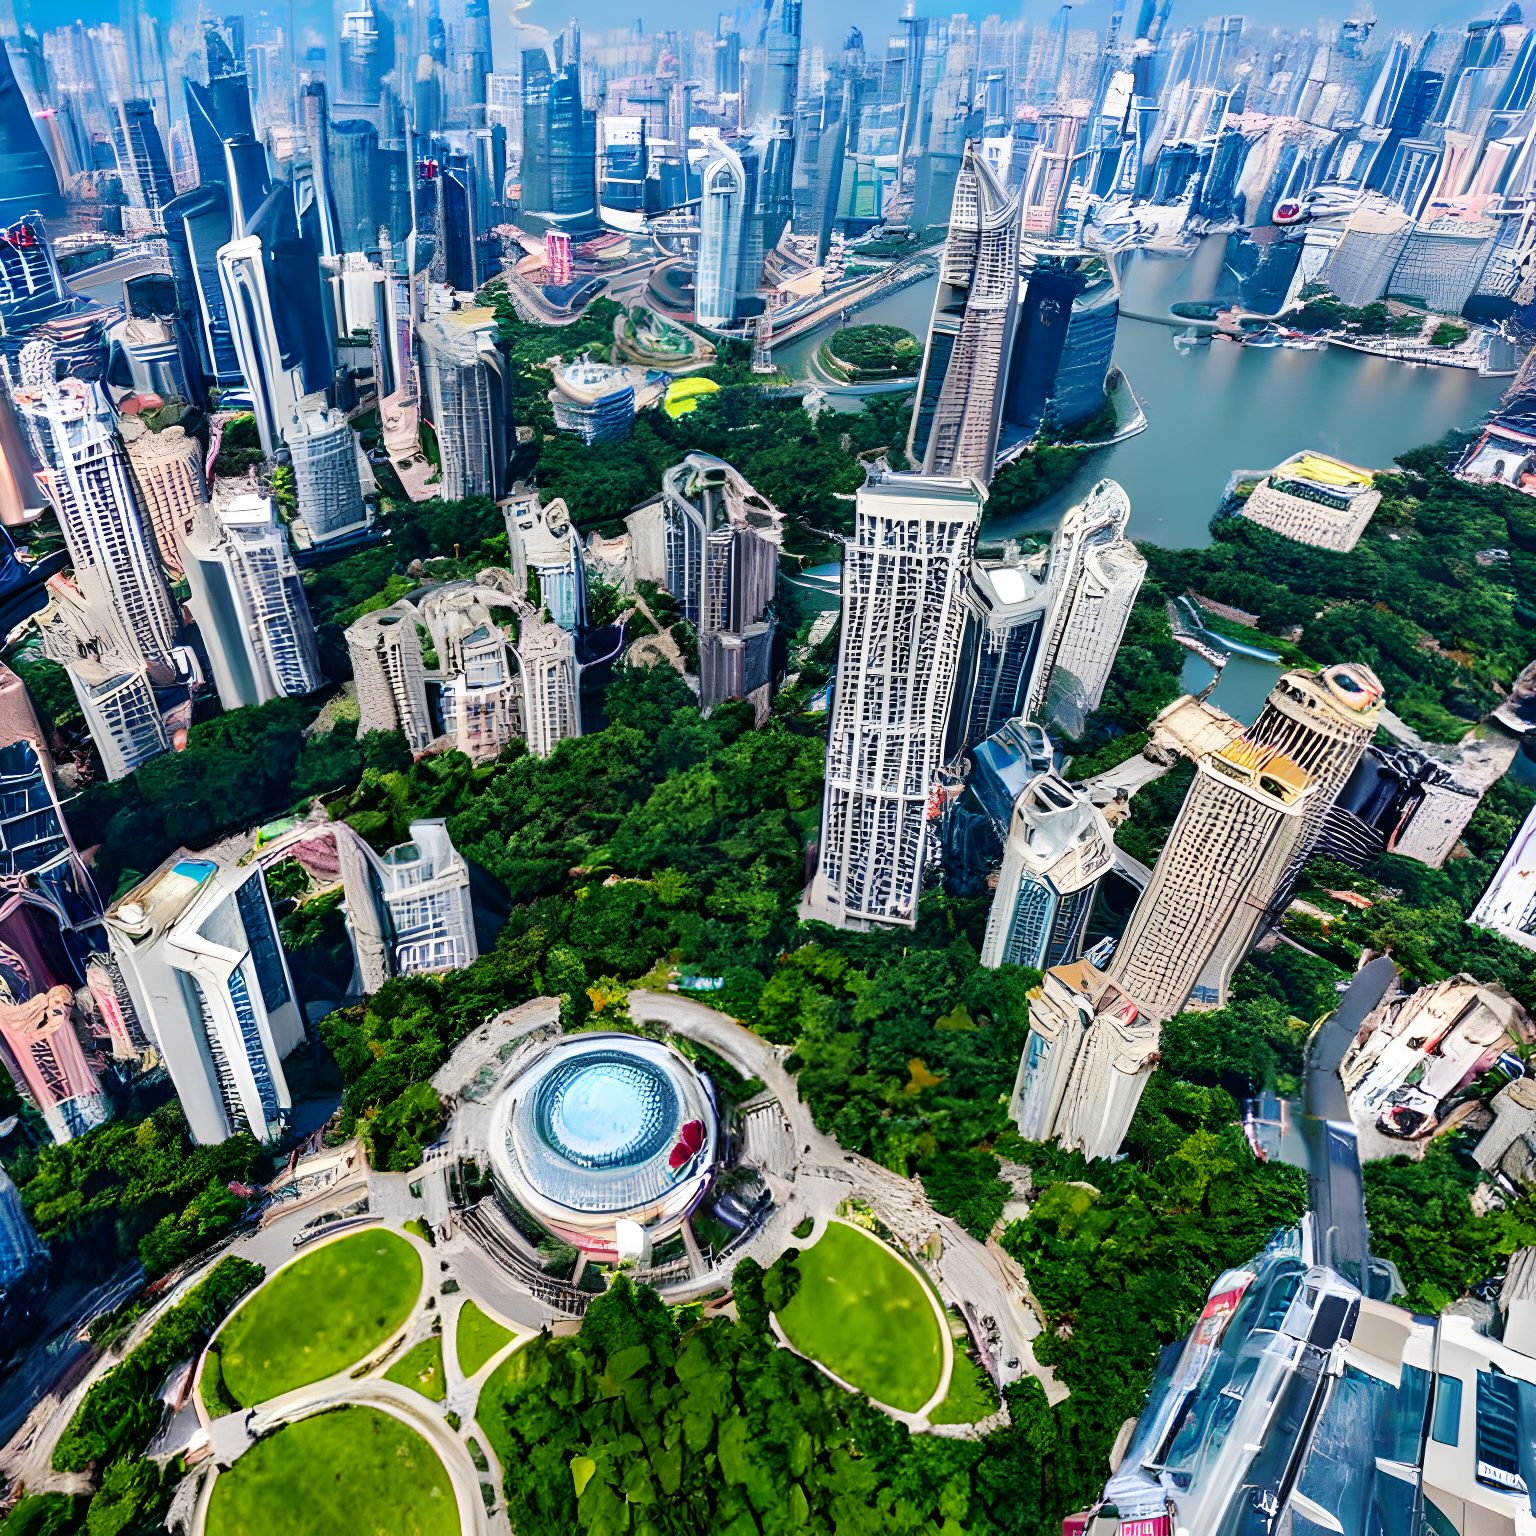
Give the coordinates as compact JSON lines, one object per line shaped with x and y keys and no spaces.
{"x":276,"y":386}
{"x":1360,"y":269}
{"x":1508,"y":906}
{"x":1315,"y":500}
{"x":726,"y":200}
{"x":425,"y":887}
{"x":385,"y":648}
{"x":958,"y":410}
{"x":141,"y":160}
{"x":1251,"y":816}
{"x":482,"y":692}
{"x":467,"y":395}
{"x":1508,"y":1146}
{"x":249,"y":600}
{"x":326,"y":474}
{"x":546,"y":548}
{"x":87,"y":475}
{"x":1059,"y":847}
{"x":203,"y":967}
{"x":1443,"y":262}
{"x":1402,"y":801}
{"x":111,"y":679}
{"x":1095,"y":573}
{"x":551,"y":675}
{"x":594,"y":400}
{"x":168,"y":467}
{"x":903,"y":613}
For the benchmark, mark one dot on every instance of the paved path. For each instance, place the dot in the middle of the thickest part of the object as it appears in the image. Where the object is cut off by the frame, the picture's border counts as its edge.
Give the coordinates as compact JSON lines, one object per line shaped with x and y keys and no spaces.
{"x":982,"y":1280}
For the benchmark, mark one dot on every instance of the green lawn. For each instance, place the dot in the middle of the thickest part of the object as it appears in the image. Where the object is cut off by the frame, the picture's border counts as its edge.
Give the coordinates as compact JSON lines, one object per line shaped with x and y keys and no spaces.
{"x":320,"y":1315}
{"x":421,"y":1369}
{"x":355,"y":1470}
{"x":971,"y":1395}
{"x":479,"y":1338}
{"x":862,"y":1313}
{"x":493,"y":1397}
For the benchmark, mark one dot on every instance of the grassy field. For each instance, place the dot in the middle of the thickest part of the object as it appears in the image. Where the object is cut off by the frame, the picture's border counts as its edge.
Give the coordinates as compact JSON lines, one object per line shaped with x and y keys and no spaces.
{"x":971,"y":1395}
{"x":354,"y":1470}
{"x":493,"y":1396}
{"x":478,"y":1338}
{"x":862,"y":1313}
{"x":320,"y":1315}
{"x":421,"y":1369}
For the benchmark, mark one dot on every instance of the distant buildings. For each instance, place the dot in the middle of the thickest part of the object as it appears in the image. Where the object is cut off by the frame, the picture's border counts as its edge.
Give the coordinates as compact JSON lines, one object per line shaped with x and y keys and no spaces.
{"x":724,"y":273}
{"x":903,"y":614}
{"x":546,"y":551}
{"x":250,"y":603}
{"x":467,"y":398}
{"x":481,"y":698}
{"x":202,"y":967}
{"x":1250,"y":818}
{"x":1315,"y":500}
{"x":391,"y":684}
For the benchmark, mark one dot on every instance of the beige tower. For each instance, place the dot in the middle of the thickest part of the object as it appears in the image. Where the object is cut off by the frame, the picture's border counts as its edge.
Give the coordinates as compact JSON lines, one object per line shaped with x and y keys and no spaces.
{"x":391,"y":679}
{"x":1248,"y":822}
{"x":168,"y":466}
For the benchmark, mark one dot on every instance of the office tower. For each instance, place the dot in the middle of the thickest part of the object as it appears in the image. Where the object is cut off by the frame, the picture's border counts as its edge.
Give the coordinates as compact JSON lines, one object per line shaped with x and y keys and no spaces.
{"x":352,"y":167}
{"x":20,"y":1251}
{"x":1251,"y":816}
{"x":394,"y":369}
{"x":957,"y":414}
{"x":28,"y":181}
{"x":1361,"y":266}
{"x":151,"y":357}
{"x":624,"y":166}
{"x":391,"y":683}
{"x":111,"y":680}
{"x":482,"y":696}
{"x":546,"y":551}
{"x":1095,"y":574}
{"x":902,"y":616}
{"x":723,"y":211}
{"x":85,"y":470}
{"x":203,"y":968}
{"x":468,"y":399}
{"x":1397,"y":67}
{"x":1059,"y":847}
{"x":426,"y":890}
{"x":546,"y":658}
{"x":168,"y":469}
{"x":774,"y":105}
{"x":250,"y":604}
{"x":559,"y":143}
{"x":198,"y":222}
{"x":327,"y":481}
{"x":273,"y":374}
{"x":141,"y":159}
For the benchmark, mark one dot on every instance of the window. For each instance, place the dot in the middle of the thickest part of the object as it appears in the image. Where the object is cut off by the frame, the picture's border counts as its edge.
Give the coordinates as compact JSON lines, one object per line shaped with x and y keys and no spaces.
{"x":1445,"y":1428}
{"x":1498,"y":1432}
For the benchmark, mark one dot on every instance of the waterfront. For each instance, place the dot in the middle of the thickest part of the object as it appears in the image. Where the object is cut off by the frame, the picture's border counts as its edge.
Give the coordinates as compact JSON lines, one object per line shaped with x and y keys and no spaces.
{"x":1221,"y":407}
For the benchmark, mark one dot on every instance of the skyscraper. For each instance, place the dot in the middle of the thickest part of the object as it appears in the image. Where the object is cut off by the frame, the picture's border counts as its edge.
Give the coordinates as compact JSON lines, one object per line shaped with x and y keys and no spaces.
{"x":426,"y":890}
{"x":1059,"y":847}
{"x":957,"y":414}
{"x":468,"y":399}
{"x":28,"y":181}
{"x":1095,"y":574}
{"x":43,"y":1053}
{"x":722,"y":230}
{"x":327,"y":481}
{"x":141,"y":158}
{"x":391,"y":683}
{"x":249,"y":599}
{"x":168,"y":468}
{"x":89,"y":483}
{"x":546,"y":548}
{"x":482,"y":696}
{"x":1251,"y":815}
{"x":272,"y":371}
{"x":546,"y":658}
{"x":902,"y":614}
{"x":203,"y":968}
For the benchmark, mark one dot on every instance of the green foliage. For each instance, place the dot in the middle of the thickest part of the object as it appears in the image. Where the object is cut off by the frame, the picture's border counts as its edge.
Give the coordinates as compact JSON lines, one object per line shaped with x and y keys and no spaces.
{"x":46,"y":1514}
{"x":131,"y":1501}
{"x":971,"y":1396}
{"x":52,"y":693}
{"x":1447,"y":334}
{"x":1032,"y":477}
{"x":1242,"y":1048}
{"x":421,"y":1369}
{"x":1421,"y":1218}
{"x":965,"y":1185}
{"x":120,"y":1413}
{"x":874,"y":351}
{"x":96,"y":1198}
{"x":201,"y":1221}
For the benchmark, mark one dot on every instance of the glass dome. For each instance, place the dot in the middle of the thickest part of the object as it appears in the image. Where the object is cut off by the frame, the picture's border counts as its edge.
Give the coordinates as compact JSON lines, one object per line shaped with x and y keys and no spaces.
{"x":606,"y":1109}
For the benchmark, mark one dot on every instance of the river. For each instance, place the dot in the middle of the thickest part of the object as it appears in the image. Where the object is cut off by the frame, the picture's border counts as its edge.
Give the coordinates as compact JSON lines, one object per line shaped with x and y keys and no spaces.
{"x":1221,"y":407}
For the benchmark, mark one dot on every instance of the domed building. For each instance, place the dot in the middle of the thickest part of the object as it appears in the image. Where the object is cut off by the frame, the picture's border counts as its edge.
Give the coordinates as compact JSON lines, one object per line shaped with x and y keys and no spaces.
{"x":601,"y":1132}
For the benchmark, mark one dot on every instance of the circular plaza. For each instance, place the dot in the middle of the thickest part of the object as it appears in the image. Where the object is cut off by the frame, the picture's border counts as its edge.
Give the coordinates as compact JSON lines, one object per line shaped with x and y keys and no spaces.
{"x":607,"y":1141}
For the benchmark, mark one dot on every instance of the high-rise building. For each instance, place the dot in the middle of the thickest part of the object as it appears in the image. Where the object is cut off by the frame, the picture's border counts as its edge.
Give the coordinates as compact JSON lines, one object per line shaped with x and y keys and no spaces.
{"x":326,"y":477}
{"x":28,"y":181}
{"x":391,"y":683}
{"x":546,"y":658}
{"x":86,"y":471}
{"x":546,"y":548}
{"x":141,"y":159}
{"x":352,"y":165}
{"x":203,"y":968}
{"x":1095,"y":574}
{"x":903,"y":612}
{"x":957,"y":414}
{"x":249,"y":601}
{"x":44,"y":1056}
{"x":1059,"y":847}
{"x":20,"y":1251}
{"x":1253,"y":813}
{"x":723,"y":209}
{"x":482,"y":695}
{"x":426,"y":891}
{"x":168,"y":467}
{"x":110,"y":677}
{"x":467,"y":395}
{"x":272,"y":372}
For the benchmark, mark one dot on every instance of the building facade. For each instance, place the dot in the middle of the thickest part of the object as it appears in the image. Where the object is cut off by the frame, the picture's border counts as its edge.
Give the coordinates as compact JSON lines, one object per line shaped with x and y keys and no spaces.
{"x":426,"y":894}
{"x":326,"y":477}
{"x":546,"y":548}
{"x":468,"y":399}
{"x":168,"y":466}
{"x":391,"y":680}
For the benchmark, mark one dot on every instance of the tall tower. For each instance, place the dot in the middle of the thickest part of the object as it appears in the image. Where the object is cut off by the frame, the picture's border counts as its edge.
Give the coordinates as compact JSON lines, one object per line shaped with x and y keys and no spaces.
{"x":1249,"y":818}
{"x":903,"y":611}
{"x":87,"y":476}
{"x":250,"y":603}
{"x":168,"y":466}
{"x":482,"y":695}
{"x":722,"y":227}
{"x":546,"y":657}
{"x":1059,"y":847}
{"x":426,"y":890}
{"x":468,"y":398}
{"x":141,"y":155}
{"x":391,"y":681}
{"x":958,"y":412}
{"x":327,"y":482}
{"x":544,"y":545}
